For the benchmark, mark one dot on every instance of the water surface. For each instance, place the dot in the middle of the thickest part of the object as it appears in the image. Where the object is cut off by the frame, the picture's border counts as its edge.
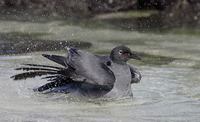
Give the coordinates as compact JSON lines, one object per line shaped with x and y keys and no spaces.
{"x":168,"y":91}
{"x":164,"y":94}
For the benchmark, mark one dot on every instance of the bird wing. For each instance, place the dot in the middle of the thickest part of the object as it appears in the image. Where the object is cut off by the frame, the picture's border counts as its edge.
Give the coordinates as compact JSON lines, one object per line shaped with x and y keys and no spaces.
{"x":80,"y":66}
{"x":58,"y":59}
{"x":135,"y":74}
{"x":91,"y":67}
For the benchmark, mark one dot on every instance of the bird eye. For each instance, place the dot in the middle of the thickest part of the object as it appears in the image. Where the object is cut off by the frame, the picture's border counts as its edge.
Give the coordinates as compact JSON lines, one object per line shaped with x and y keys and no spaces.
{"x":120,"y":52}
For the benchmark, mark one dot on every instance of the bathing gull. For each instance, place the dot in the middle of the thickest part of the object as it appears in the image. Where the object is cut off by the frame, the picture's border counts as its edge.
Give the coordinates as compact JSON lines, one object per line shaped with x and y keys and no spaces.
{"x":86,"y":74}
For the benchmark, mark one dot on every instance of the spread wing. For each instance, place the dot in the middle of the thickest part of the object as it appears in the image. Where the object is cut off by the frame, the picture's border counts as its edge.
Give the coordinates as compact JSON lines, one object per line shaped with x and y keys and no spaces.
{"x":58,"y":59}
{"x":135,"y":74}
{"x":91,"y":67}
{"x":81,"y":69}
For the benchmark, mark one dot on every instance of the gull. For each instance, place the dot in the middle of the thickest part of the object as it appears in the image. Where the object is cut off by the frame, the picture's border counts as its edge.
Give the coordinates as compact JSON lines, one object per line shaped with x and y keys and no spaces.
{"x":86,"y":74}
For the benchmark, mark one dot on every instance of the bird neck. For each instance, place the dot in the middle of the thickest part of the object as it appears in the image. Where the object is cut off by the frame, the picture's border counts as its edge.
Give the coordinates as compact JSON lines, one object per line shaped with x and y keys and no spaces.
{"x":115,"y":60}
{"x":118,"y":61}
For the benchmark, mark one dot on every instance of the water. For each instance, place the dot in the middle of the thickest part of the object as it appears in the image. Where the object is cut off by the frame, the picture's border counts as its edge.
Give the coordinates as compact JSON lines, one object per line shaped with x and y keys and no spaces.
{"x":167,"y":92}
{"x":164,"y":94}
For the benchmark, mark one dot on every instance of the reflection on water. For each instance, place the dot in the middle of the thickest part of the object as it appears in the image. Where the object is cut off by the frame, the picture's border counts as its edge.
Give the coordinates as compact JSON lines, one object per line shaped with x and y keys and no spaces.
{"x":165,"y":93}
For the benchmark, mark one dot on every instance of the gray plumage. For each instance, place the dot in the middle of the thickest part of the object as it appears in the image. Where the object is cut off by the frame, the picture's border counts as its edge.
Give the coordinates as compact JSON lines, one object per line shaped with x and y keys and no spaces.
{"x":86,"y":74}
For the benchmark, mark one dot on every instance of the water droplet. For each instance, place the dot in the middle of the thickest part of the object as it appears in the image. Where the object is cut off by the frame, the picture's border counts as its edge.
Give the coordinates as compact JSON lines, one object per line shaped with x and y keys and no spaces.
{"x":195,"y":17}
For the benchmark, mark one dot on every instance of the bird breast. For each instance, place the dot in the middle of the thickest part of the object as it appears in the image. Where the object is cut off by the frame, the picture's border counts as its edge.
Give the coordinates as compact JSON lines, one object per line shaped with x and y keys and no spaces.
{"x":122,"y":85}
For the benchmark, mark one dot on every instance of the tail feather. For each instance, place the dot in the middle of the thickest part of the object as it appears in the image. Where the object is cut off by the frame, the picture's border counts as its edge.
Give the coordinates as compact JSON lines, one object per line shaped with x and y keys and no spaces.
{"x":57,"y":81}
{"x":50,"y":86}
{"x":49,"y":77}
{"x":35,"y":68}
{"x":58,"y":77}
{"x":37,"y":65}
{"x":26,"y":75}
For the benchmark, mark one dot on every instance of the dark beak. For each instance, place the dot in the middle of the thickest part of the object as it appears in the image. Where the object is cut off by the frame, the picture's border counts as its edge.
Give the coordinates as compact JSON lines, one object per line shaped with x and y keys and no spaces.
{"x":135,"y":56}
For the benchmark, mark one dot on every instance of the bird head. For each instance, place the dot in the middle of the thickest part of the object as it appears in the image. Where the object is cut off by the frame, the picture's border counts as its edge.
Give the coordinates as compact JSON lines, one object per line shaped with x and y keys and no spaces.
{"x":122,"y":54}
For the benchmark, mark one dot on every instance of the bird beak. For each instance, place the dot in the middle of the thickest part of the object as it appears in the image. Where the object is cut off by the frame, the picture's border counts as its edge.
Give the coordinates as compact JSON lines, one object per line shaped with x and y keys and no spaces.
{"x":135,"y":56}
